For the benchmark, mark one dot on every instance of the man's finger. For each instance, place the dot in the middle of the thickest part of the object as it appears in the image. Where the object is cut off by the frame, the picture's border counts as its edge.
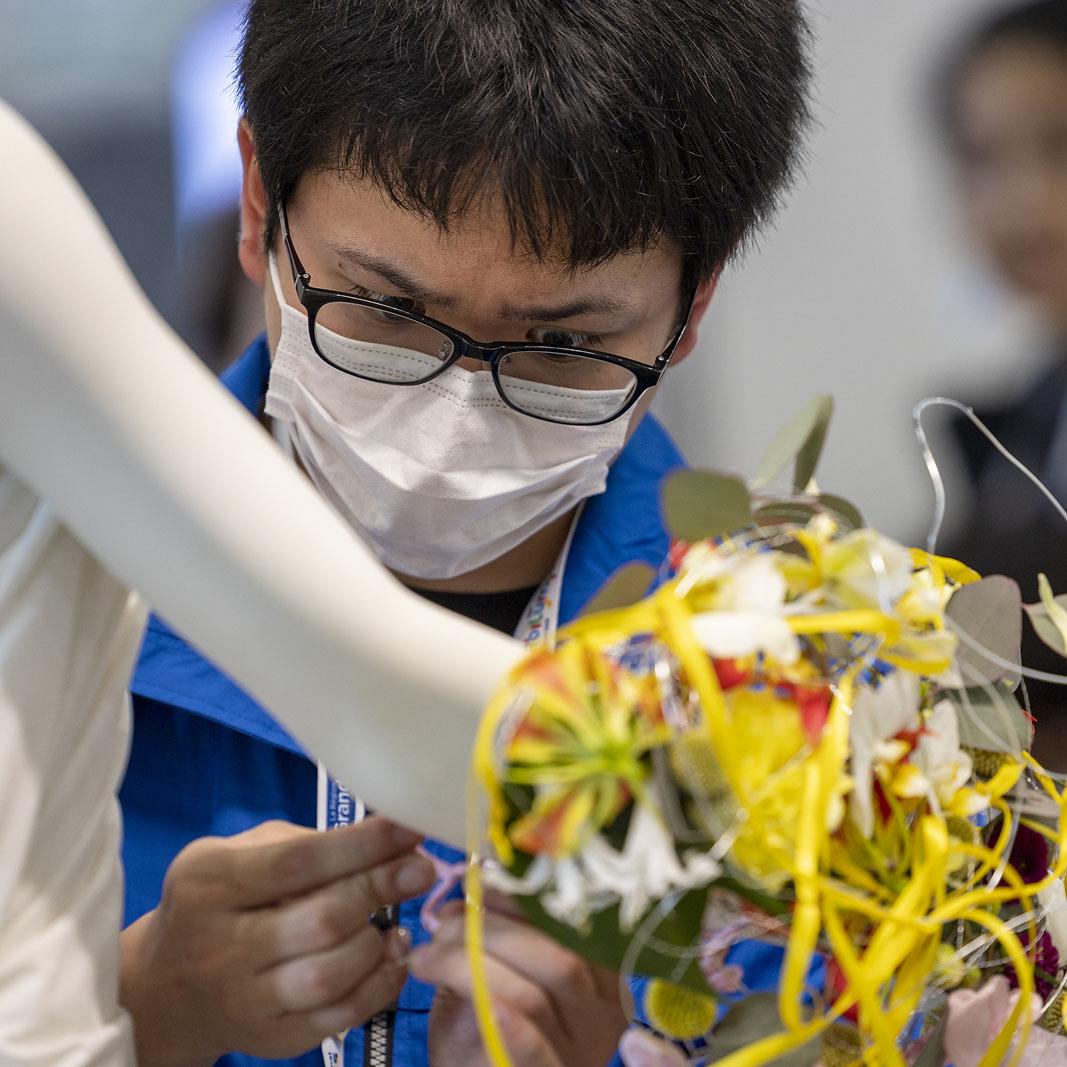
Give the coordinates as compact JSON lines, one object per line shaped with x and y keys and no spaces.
{"x":315,"y":981}
{"x":258,"y":875}
{"x":447,"y":967}
{"x":329,"y":916}
{"x":375,"y":993}
{"x":502,"y":904}
{"x":524,"y":1041}
{"x":536,"y":956}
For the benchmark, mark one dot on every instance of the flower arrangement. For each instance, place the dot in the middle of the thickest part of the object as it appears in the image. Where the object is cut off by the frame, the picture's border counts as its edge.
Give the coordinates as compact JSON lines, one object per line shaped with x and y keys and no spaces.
{"x":805,"y":734}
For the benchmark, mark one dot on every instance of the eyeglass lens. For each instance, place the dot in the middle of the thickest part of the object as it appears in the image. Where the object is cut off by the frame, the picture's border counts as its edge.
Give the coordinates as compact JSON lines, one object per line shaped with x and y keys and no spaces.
{"x":374,"y":344}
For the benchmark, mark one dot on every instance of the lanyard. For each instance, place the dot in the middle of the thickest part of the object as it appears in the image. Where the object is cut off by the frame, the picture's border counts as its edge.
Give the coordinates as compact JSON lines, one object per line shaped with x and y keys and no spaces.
{"x":337,"y":807}
{"x":541,"y":617}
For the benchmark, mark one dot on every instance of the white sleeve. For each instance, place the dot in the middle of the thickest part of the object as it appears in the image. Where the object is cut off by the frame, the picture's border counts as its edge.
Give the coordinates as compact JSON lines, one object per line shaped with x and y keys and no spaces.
{"x":68,"y":638}
{"x":184,"y":497}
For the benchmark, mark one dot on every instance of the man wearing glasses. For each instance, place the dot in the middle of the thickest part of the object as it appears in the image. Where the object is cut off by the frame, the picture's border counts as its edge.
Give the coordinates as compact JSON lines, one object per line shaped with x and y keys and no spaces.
{"x":484,"y":231}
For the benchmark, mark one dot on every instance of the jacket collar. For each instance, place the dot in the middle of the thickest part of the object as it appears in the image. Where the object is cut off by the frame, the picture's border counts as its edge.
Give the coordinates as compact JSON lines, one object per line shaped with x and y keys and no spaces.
{"x":618,"y":526}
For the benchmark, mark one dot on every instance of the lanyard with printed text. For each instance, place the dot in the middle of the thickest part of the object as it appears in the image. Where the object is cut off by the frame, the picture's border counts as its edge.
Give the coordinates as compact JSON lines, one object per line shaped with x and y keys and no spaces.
{"x":541,"y":617}
{"x":337,"y":807}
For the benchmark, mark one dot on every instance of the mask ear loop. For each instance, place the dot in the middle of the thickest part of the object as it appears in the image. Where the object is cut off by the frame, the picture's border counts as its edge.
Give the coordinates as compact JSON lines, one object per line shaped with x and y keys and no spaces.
{"x":276,"y":281}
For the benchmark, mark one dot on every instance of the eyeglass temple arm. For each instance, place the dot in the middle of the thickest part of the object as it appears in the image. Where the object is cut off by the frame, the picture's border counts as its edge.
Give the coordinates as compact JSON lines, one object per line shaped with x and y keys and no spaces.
{"x":664,"y":359}
{"x":294,"y":260}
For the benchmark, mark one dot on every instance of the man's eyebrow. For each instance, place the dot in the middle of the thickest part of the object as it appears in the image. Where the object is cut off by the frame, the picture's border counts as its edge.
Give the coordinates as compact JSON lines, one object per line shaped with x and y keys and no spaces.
{"x":571,"y":309}
{"x":409,"y":287}
{"x":394,"y":276}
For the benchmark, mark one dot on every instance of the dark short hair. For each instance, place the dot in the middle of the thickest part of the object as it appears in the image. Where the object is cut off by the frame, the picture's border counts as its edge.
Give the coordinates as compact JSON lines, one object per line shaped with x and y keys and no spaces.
{"x":603,"y":126}
{"x":1041,"y":22}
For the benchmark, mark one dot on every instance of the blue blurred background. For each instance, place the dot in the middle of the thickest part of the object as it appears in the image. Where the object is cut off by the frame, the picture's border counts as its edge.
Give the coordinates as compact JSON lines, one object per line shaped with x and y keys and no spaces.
{"x":136,"y":97}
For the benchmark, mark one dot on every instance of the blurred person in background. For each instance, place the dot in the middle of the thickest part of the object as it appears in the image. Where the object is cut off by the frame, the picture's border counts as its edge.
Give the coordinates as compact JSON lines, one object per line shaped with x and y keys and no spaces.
{"x":1003,"y":101}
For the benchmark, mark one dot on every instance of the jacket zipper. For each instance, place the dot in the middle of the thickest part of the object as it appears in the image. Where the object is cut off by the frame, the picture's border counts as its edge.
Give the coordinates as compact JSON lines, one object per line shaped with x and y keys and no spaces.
{"x":378,"y":1033}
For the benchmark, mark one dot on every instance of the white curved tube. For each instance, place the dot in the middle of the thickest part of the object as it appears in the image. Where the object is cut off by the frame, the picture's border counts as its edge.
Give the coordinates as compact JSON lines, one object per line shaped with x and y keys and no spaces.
{"x":183,"y":497}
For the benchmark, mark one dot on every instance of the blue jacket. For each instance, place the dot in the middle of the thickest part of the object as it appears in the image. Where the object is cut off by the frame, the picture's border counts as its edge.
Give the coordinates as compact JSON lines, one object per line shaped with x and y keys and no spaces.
{"x":207,"y":760}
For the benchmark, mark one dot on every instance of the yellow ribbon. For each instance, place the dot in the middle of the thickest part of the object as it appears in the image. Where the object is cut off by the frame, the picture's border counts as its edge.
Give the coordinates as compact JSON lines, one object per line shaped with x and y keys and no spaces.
{"x":886,"y":947}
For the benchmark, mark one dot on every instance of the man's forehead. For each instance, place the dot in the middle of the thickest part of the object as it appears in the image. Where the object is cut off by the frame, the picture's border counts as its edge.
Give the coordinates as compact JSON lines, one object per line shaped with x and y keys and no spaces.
{"x":361,"y":224}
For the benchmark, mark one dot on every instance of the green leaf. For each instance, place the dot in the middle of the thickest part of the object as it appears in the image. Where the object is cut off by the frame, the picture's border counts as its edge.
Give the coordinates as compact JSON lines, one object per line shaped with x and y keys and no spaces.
{"x":988,"y":614}
{"x":701,"y":504}
{"x":801,"y":439}
{"x":625,"y":587}
{"x":752,"y":1019}
{"x":1046,"y":619}
{"x":811,"y":450}
{"x":990,"y":718}
{"x":606,"y":945}
{"x":786,"y":513}
{"x":843,"y":510}
{"x":763,"y":901}
{"x":802,"y":509}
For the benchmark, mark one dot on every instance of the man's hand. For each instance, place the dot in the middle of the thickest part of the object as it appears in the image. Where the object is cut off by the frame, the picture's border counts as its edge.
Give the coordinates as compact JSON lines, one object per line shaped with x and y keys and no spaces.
{"x":553,"y":1008}
{"x":262,"y":942}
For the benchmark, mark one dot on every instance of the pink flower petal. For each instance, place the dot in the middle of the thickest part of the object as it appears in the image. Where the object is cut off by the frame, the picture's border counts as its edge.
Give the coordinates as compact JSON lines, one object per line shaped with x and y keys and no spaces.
{"x":975,"y":1017}
{"x":970,"y":1012}
{"x":729,"y":979}
{"x":640,"y":1048}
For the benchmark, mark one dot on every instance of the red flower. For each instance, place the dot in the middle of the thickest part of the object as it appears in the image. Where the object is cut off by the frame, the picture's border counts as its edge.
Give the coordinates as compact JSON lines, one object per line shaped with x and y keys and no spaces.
{"x":730,"y":673}
{"x":814,"y":704}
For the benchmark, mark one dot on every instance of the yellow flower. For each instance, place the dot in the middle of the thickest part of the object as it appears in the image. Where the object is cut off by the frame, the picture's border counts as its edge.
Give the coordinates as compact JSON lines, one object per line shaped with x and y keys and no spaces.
{"x":768,"y":732}
{"x":949,"y":969}
{"x":677,"y":1012}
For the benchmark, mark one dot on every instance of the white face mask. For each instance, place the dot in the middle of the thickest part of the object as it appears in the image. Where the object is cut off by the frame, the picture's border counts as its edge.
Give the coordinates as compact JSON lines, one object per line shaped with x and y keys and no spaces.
{"x":438,"y":478}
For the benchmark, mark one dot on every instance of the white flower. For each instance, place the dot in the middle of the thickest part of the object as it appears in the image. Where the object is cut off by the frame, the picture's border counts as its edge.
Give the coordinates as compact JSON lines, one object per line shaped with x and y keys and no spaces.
{"x":1053,"y":901}
{"x":747,"y":608}
{"x":939,"y":768}
{"x":733,"y":635}
{"x":573,"y":896}
{"x":878,"y":715}
{"x":867,"y":570}
{"x":562,"y":885}
{"x":648,"y":867}
{"x":646,"y":870}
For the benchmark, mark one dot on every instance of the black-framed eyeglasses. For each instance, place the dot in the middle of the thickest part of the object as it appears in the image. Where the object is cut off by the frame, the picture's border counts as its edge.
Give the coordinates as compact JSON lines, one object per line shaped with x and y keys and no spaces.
{"x":375,"y":339}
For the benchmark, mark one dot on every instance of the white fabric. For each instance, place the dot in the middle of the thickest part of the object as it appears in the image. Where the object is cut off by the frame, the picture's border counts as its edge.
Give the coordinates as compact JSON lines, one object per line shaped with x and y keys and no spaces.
{"x":438,"y":478}
{"x":68,"y":638}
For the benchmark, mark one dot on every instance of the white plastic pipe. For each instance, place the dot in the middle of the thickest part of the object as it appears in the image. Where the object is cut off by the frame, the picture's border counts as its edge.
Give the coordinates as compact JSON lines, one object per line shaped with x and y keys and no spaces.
{"x":178,"y":491}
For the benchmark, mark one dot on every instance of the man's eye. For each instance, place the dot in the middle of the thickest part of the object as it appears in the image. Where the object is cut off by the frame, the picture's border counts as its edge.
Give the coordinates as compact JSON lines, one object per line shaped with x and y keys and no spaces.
{"x":401,"y":303}
{"x":560,"y":339}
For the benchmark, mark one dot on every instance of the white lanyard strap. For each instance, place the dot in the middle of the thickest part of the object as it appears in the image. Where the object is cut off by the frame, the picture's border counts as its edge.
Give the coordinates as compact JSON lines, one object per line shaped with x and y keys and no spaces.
{"x":337,"y":807}
{"x":540,"y":620}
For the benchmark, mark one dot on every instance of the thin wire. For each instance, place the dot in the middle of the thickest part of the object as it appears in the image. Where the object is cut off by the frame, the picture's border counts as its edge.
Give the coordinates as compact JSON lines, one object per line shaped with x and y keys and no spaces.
{"x":1000,"y":661}
{"x":934,"y":471}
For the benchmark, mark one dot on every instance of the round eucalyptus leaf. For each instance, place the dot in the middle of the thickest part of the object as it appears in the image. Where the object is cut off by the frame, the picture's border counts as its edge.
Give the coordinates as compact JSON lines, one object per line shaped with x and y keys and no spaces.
{"x":701,"y":504}
{"x":800,"y":440}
